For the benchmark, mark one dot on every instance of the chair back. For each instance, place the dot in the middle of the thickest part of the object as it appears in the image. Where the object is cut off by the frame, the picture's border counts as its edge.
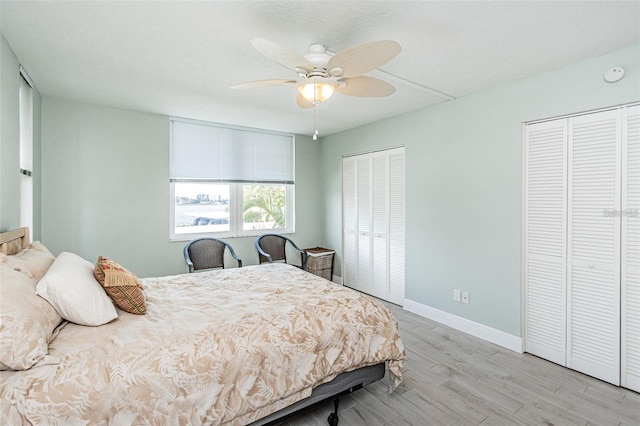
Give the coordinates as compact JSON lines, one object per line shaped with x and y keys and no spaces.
{"x":274,"y":245}
{"x":273,"y":248}
{"x":207,"y":253}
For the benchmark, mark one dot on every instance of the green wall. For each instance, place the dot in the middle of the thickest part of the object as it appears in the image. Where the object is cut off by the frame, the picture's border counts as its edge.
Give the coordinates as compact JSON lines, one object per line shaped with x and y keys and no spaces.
{"x":101,"y":182}
{"x":106,"y":188}
{"x":10,"y":144}
{"x":464,"y":183}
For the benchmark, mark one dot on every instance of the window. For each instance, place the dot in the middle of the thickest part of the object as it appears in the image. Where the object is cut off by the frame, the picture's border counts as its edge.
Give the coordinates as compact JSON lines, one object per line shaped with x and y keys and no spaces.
{"x":26,"y":150}
{"x":229,"y":181}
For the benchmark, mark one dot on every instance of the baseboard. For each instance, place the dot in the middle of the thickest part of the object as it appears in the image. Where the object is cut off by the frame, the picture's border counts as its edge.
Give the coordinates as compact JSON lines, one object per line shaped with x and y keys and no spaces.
{"x":478,"y":330}
{"x":337,"y":279}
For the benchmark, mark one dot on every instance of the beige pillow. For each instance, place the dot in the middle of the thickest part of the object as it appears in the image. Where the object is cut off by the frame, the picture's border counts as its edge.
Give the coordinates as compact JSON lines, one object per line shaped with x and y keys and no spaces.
{"x":27,"y":321}
{"x":122,"y":286}
{"x":34,"y":260}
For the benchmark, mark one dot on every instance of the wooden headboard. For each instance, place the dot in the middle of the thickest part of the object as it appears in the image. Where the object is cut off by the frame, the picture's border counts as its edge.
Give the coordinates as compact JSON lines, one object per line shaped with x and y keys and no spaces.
{"x":12,"y":242}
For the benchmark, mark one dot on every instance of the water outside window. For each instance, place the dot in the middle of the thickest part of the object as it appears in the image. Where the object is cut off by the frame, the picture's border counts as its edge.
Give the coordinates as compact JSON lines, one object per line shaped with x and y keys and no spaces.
{"x":201,"y":207}
{"x":209,"y":207}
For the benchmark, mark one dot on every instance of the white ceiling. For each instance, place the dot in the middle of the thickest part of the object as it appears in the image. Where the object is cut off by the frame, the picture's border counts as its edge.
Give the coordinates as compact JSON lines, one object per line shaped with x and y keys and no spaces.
{"x":181,"y":57}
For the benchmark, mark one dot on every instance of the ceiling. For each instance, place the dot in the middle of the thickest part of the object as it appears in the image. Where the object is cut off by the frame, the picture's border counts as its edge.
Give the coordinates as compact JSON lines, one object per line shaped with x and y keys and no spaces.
{"x":181,"y":57}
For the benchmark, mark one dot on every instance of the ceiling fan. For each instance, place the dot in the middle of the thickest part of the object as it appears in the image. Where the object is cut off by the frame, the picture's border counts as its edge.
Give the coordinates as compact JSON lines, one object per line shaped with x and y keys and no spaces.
{"x":323,"y":74}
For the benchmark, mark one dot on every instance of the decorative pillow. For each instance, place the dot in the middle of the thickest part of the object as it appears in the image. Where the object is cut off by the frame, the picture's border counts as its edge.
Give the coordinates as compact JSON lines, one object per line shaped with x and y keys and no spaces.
{"x":71,"y":288}
{"x":33,"y":260}
{"x":27,"y":321}
{"x":122,"y":286}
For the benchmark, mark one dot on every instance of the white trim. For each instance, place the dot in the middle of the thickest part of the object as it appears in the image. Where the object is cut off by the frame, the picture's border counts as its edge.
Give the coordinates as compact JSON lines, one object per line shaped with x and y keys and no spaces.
{"x":337,"y":279}
{"x":475,"y":329}
{"x":236,"y":222}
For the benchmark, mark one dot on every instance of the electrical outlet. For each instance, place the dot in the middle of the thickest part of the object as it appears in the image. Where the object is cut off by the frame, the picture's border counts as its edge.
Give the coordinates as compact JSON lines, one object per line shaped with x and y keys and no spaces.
{"x":456,"y":295}
{"x":465,"y":297}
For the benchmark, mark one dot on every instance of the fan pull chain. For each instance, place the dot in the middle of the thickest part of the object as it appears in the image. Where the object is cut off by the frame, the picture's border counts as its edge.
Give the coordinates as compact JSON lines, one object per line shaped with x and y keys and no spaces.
{"x":315,"y":109}
{"x":315,"y":123}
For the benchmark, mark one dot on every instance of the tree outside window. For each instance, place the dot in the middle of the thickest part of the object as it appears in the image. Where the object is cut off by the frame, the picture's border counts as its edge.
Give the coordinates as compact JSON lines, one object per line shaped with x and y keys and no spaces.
{"x":264,"y":206}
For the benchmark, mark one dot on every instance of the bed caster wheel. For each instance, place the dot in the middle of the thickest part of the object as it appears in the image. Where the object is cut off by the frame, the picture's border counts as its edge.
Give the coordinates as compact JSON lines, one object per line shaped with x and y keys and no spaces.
{"x":333,"y":417}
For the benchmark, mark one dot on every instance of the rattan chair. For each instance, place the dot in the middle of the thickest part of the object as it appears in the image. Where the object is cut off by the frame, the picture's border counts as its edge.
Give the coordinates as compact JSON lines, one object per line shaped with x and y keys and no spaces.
{"x":207,"y":253}
{"x":272,"y":248}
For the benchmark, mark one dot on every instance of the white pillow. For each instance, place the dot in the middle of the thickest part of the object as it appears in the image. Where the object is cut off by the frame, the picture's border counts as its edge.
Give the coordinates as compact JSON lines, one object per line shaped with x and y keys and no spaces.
{"x":71,"y":288}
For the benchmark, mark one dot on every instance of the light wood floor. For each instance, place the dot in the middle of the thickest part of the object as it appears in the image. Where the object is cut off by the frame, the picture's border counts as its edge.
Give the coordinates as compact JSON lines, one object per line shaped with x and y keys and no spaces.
{"x":452,"y":378}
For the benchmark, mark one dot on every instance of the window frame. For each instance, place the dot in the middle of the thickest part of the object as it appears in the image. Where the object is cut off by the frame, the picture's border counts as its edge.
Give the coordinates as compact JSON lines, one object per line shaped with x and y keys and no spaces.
{"x":236,"y":194}
{"x":236,"y":213}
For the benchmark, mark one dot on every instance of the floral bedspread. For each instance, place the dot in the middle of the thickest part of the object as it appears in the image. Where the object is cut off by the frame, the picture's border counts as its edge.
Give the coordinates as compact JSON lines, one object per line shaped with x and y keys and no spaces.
{"x":225,"y":346}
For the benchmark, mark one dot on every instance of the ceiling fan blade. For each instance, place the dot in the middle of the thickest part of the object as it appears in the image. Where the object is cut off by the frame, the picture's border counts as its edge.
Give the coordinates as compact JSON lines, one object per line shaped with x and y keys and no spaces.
{"x":363,"y":58}
{"x":263,"y":83}
{"x":283,"y":56}
{"x":303,"y":103}
{"x":365,"y":86}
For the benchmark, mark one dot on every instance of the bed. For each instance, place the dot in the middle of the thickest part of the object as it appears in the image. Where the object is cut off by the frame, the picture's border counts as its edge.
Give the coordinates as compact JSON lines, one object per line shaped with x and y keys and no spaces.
{"x":231,"y":346}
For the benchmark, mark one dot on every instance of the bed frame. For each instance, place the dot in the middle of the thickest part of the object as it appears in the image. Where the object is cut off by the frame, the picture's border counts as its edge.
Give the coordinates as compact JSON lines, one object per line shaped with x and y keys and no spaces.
{"x":12,"y":242}
{"x":343,"y":384}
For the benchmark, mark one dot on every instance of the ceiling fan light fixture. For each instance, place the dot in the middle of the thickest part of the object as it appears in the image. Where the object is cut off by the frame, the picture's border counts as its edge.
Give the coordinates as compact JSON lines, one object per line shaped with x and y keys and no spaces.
{"x":321,"y":73}
{"x":317,"y":89}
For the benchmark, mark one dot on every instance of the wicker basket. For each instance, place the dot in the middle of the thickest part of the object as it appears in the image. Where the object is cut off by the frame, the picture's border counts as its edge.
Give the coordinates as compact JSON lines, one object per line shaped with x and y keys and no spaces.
{"x":320,"y":262}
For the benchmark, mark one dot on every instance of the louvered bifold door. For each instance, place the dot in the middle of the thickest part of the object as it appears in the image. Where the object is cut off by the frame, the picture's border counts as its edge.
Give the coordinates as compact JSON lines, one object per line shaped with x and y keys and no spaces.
{"x":349,"y":223}
{"x":630,"y":240}
{"x":363,"y":189}
{"x":373,"y":223}
{"x":545,"y":240}
{"x":396,"y":225}
{"x":593,"y":261}
{"x":380,"y":225}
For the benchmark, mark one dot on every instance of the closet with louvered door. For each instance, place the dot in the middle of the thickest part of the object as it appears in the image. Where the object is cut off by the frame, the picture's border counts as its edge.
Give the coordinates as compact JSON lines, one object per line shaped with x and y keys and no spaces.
{"x":373,"y":223}
{"x":581,"y":246}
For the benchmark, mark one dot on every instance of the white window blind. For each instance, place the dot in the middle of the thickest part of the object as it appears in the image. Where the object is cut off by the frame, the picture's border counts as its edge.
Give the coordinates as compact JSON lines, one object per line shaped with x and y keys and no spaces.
{"x":26,"y":128}
{"x":209,"y":152}
{"x":25,"y":94}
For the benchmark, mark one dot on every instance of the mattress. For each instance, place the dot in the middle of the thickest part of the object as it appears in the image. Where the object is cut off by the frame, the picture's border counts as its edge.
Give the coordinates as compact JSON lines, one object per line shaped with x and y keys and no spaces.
{"x":219,"y":347}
